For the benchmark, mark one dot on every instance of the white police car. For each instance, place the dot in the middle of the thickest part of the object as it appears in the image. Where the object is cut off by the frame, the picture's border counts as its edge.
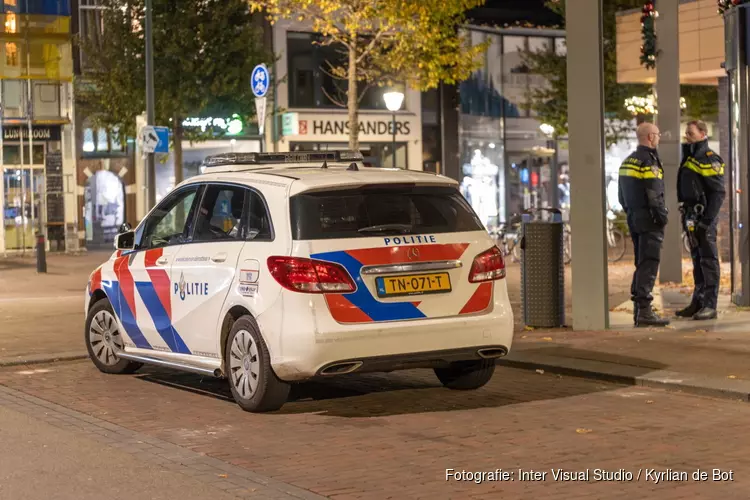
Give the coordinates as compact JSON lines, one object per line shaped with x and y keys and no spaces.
{"x":273,"y":268}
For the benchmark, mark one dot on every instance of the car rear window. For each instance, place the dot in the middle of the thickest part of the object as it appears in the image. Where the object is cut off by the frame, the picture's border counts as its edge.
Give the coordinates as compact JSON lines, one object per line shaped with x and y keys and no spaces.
{"x":380,"y":211}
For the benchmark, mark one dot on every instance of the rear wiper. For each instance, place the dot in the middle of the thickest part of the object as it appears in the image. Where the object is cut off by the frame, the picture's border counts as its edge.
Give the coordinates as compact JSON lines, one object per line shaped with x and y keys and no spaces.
{"x":381,"y":228}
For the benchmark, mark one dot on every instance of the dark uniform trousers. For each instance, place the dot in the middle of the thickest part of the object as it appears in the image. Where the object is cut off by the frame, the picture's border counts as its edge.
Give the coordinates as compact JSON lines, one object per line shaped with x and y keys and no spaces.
{"x":706,"y":268}
{"x":647,"y":249}
{"x":641,"y":193}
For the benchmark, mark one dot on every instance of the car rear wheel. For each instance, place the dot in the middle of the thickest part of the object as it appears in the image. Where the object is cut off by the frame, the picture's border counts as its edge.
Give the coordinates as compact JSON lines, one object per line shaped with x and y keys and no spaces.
{"x":103,"y":340}
{"x":254,"y":385}
{"x":466,"y":375}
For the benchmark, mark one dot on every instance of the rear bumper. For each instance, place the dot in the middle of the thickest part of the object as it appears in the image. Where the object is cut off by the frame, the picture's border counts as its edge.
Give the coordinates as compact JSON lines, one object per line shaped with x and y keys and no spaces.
{"x":430,"y":359}
{"x":302,"y":346}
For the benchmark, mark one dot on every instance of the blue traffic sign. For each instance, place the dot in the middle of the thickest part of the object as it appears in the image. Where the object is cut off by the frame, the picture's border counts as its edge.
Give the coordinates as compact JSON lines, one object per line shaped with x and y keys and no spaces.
{"x":155,"y":139}
{"x":259,"y":80}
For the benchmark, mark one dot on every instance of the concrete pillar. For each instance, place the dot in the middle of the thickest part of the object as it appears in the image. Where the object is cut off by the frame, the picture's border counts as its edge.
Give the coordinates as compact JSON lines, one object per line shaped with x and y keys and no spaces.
{"x":723,"y":126}
{"x":668,"y":101}
{"x":583,"y":26}
{"x":449,"y":120}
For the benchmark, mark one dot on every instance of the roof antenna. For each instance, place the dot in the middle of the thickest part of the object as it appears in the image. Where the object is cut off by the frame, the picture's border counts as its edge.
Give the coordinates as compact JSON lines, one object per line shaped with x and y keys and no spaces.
{"x":353,"y":166}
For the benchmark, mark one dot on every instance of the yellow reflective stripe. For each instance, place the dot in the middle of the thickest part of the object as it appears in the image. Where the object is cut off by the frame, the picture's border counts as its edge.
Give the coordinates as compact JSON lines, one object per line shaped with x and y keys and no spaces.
{"x":632,"y":161}
{"x":704,"y":169}
{"x":644,"y":173}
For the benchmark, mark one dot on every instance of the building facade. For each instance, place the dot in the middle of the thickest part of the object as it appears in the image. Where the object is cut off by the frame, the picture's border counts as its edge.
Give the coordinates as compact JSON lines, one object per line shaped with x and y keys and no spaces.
{"x":314,"y":119}
{"x":37,"y":150}
{"x":480,"y":132}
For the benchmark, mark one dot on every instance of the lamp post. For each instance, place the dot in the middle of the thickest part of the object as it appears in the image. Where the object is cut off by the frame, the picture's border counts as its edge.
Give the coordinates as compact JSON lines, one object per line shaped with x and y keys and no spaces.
{"x":549,"y":131}
{"x":393,"y":101}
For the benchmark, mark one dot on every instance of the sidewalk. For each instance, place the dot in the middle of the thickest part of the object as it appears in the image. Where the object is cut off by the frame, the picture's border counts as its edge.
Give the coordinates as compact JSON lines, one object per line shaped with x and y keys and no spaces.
{"x":41,"y":315}
{"x":710,"y":358}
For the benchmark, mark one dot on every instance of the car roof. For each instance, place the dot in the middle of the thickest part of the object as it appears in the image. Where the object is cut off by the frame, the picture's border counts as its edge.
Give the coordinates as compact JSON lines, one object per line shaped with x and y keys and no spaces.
{"x":301,"y":176}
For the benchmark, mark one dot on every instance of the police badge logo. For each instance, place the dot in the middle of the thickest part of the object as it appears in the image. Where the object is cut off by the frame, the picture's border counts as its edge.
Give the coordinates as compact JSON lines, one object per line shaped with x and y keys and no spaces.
{"x":655,"y":170}
{"x":716,"y":165}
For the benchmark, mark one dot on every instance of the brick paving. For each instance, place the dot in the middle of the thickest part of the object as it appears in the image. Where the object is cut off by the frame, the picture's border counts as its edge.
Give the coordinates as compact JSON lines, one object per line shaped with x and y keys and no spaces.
{"x":394,"y":436}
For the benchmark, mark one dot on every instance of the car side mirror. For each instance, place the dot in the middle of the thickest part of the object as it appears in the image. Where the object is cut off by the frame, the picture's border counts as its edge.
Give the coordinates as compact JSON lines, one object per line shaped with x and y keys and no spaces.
{"x":125,"y":241}
{"x":124,"y":228}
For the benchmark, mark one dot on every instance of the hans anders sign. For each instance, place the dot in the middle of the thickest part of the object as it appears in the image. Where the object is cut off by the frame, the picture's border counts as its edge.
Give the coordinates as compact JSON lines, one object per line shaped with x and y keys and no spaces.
{"x":310,"y":127}
{"x":366,"y":127}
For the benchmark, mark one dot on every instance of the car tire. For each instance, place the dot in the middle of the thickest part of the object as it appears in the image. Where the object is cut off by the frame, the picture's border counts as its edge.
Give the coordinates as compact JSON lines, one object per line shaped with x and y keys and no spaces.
{"x":254,"y":385}
{"x":103,"y":339}
{"x":466,"y":375}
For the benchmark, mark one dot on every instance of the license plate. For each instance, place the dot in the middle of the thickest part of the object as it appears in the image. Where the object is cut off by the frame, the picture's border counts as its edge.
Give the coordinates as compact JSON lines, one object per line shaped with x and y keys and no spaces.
{"x":413,"y":284}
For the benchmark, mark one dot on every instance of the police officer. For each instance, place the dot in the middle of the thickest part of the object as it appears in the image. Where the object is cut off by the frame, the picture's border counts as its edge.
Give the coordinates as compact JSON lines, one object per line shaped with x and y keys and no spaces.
{"x":641,"y":194}
{"x":700,"y":191}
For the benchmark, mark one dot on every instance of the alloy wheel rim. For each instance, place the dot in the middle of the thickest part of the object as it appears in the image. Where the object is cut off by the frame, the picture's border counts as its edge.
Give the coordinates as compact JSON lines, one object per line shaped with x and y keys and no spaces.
{"x":244,"y":364}
{"x":105,"y":338}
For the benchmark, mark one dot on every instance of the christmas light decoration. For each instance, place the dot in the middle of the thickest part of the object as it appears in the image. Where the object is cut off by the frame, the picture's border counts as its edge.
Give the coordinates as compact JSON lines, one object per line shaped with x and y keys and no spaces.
{"x":646,"y":105}
{"x":648,"y":34}
{"x":725,"y":5}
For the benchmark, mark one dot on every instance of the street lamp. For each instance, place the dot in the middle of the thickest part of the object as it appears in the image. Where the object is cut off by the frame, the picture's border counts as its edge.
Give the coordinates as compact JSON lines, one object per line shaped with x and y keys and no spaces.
{"x":393,"y":101}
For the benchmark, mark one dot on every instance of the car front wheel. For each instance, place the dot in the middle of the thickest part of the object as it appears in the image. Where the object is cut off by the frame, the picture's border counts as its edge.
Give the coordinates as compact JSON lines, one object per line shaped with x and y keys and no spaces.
{"x":104,"y":340}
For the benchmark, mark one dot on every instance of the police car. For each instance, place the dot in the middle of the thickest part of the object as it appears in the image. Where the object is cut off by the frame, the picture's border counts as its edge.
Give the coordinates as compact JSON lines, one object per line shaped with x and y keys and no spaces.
{"x":273,"y":268}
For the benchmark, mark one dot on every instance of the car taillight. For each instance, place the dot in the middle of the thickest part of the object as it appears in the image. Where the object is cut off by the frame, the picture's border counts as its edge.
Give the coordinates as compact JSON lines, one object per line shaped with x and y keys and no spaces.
{"x":488,"y":265}
{"x":310,"y":276}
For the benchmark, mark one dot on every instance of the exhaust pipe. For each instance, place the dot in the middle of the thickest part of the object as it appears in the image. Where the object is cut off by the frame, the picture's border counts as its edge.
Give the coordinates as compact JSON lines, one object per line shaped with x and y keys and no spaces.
{"x":492,"y":352}
{"x":341,"y":368}
{"x":171,"y":364}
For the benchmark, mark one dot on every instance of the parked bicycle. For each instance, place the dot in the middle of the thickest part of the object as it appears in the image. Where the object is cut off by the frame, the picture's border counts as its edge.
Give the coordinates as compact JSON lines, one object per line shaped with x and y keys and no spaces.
{"x":507,"y":237}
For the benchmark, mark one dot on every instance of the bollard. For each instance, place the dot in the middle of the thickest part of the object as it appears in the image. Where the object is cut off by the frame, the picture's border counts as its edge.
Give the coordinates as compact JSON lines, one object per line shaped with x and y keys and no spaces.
{"x":41,"y":255}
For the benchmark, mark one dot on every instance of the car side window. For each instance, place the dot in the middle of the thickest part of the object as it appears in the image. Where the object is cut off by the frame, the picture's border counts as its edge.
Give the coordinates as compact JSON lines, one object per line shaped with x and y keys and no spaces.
{"x":220,"y":215}
{"x":259,"y":221}
{"x":168,"y":223}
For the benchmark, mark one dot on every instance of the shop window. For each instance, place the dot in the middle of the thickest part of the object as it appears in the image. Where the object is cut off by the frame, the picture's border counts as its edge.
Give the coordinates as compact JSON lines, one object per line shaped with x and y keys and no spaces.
{"x":12,"y":155}
{"x":98,"y":141}
{"x":311,"y":82}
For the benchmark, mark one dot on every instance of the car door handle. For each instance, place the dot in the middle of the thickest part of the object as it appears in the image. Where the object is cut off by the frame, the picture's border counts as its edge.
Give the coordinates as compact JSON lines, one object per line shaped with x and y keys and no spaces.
{"x":220,"y":257}
{"x":162,"y":261}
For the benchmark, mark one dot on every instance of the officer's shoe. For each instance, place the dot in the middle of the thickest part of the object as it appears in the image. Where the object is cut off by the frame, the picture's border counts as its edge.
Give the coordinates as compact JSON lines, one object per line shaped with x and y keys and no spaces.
{"x":647,"y":317}
{"x":689,"y":311}
{"x":705,"y":314}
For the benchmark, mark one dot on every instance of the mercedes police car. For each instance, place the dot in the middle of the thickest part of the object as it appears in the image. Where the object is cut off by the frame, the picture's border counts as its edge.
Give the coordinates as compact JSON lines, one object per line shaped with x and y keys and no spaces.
{"x":272,"y":268}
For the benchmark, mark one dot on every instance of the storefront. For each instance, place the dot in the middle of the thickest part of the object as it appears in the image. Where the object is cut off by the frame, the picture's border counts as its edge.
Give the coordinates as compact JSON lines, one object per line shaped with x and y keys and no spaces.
{"x":33,"y":186}
{"x":507,"y":163}
{"x":232,"y":135}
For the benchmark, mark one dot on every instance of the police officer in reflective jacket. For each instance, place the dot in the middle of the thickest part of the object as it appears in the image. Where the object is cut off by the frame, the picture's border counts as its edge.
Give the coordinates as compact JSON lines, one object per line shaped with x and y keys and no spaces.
{"x":641,"y":194}
{"x":701,"y":192}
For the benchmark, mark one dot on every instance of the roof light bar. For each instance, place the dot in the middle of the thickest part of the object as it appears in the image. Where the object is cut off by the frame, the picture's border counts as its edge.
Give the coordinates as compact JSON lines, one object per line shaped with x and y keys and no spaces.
{"x":295,"y":157}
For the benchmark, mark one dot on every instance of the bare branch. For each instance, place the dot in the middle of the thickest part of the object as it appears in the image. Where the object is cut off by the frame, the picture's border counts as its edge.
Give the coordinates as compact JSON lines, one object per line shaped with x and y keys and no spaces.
{"x":371,"y":45}
{"x":331,"y":98}
{"x":332,"y":72}
{"x":364,"y":90}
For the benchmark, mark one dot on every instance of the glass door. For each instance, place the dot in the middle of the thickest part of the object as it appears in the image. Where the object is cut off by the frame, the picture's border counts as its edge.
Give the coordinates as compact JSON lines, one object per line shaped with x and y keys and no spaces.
{"x":24,"y":206}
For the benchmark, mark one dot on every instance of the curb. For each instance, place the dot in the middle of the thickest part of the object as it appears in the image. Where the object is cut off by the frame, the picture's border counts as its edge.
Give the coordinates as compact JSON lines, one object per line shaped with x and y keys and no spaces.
{"x":697,"y":384}
{"x":41,"y":359}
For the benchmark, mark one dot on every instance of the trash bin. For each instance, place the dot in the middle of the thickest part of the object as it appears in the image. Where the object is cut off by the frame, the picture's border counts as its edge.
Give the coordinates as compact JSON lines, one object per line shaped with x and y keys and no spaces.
{"x":542,"y":270}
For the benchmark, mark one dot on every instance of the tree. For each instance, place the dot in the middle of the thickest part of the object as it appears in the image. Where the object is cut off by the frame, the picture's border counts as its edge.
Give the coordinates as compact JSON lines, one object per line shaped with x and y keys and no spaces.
{"x":385,"y":41}
{"x":551,"y":102}
{"x":204,"y":52}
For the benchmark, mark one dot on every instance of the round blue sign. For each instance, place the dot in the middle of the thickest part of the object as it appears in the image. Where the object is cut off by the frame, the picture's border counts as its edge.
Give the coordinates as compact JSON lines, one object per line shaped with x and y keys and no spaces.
{"x":259,"y":80}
